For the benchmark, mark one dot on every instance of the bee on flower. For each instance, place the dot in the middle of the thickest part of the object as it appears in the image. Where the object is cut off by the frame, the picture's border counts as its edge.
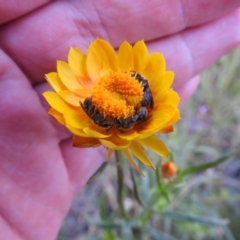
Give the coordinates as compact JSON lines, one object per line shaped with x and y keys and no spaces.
{"x":119,"y":100}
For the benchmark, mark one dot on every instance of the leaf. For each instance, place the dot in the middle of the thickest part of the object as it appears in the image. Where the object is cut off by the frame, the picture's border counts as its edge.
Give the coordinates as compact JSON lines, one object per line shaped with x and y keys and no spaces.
{"x":228,"y":233}
{"x":108,"y":234}
{"x":103,"y":206}
{"x":205,"y":166}
{"x":97,"y":173}
{"x":135,"y":190}
{"x":105,"y":224}
{"x":202,"y":220}
{"x":206,"y":150}
{"x":157,"y":235}
{"x":111,"y":224}
{"x":161,"y":188}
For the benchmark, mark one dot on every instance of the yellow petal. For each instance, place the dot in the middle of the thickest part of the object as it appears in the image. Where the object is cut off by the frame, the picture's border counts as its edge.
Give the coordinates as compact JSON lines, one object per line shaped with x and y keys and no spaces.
{"x":76,"y":131}
{"x":70,"y":98}
{"x":155,"y":144}
{"x":129,"y":157}
{"x":91,"y":132}
{"x":125,"y":57}
{"x":175,"y":117}
{"x":140,"y":56}
{"x":102,"y":46}
{"x":94,"y":66}
{"x":77,"y":62}
{"x":169,"y":98}
{"x":167,"y":110}
{"x":129,"y":135}
{"x":154,"y":69}
{"x":115,"y":143}
{"x":138,"y":150}
{"x":77,"y":119}
{"x":56,"y":102}
{"x":55,"y":82}
{"x":170,"y":112}
{"x":157,"y":121}
{"x":82,"y":93}
{"x":67,"y":76}
{"x":162,"y":85}
{"x":57,"y":115}
{"x":82,"y":142}
{"x":167,"y":129}
{"x":101,"y":58}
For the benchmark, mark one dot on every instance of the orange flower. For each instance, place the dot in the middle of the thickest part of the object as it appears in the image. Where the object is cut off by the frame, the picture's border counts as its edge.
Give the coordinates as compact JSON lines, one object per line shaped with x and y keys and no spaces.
{"x":169,"y":169}
{"x":119,"y":100}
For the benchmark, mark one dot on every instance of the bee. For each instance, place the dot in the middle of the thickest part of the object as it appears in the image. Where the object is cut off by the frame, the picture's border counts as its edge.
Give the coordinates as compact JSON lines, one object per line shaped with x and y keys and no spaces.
{"x":147,"y":100}
{"x":129,"y":122}
{"x":140,"y":116}
{"x":94,"y":114}
{"x":119,"y":123}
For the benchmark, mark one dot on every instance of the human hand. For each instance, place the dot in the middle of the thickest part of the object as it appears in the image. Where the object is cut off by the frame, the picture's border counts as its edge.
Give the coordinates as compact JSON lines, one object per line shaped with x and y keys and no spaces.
{"x":39,"y":169}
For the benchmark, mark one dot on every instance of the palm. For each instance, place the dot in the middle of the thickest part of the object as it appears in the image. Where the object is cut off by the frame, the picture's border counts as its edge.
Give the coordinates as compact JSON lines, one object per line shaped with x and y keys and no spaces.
{"x":39,"y":170}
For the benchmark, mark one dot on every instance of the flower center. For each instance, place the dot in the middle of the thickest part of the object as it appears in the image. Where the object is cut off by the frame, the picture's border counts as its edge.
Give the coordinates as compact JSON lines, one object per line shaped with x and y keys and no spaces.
{"x":118,"y":95}
{"x":119,"y":100}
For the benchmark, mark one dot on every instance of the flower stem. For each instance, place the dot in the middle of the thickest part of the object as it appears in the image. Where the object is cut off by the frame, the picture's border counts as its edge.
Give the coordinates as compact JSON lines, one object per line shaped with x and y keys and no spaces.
{"x":120,"y":184}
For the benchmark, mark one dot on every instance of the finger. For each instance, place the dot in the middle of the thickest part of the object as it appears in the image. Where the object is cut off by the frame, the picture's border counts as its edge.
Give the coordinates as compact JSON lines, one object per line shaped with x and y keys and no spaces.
{"x":188,"y":89}
{"x":30,"y":161}
{"x":81,"y":163}
{"x":19,"y":106}
{"x":191,"y":51}
{"x":149,"y":19}
{"x":25,"y":129}
{"x":13,"y":9}
{"x":73,"y":25}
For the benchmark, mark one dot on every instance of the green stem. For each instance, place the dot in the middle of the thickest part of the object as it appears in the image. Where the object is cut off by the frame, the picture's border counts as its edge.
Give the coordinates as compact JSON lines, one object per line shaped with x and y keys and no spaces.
{"x":97,"y":173}
{"x":146,"y":217}
{"x":136,"y":231}
{"x":120,"y":184}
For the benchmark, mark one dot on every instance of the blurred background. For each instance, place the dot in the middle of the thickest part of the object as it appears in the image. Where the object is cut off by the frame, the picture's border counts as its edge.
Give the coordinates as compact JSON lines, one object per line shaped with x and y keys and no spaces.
{"x":203,"y":205}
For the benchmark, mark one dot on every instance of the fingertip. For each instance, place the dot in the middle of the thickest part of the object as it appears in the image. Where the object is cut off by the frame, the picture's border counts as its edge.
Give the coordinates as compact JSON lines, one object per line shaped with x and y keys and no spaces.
{"x":188,"y":89}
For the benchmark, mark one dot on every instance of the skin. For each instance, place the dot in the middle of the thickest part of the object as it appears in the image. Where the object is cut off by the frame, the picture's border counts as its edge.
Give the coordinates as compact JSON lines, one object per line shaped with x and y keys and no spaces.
{"x":40,"y":171}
